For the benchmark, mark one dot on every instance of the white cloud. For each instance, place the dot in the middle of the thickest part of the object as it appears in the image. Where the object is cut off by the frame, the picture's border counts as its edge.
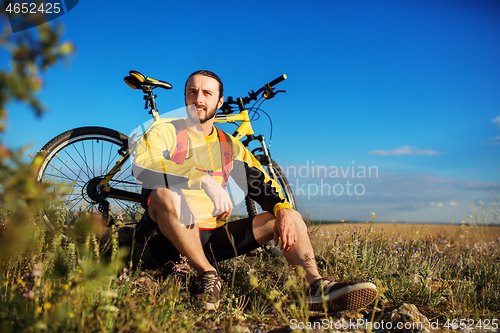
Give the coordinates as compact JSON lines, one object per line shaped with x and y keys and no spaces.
{"x":404,"y":150}
{"x":495,"y":140}
{"x":496,"y":121}
{"x":394,"y":195}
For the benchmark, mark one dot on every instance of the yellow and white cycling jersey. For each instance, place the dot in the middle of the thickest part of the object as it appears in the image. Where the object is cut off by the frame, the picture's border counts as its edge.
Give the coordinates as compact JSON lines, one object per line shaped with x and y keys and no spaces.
{"x":153,"y":166}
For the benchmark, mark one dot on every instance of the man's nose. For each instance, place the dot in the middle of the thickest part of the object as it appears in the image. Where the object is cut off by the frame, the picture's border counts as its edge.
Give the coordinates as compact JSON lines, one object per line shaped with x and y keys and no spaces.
{"x":199,"y":97}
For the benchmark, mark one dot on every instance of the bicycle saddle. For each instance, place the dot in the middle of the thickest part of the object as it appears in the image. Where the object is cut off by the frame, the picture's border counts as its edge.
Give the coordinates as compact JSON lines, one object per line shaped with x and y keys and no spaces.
{"x":138,"y":80}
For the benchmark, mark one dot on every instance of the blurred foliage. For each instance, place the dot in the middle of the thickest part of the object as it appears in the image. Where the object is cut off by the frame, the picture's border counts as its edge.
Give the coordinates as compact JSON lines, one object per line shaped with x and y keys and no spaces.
{"x":30,"y":53}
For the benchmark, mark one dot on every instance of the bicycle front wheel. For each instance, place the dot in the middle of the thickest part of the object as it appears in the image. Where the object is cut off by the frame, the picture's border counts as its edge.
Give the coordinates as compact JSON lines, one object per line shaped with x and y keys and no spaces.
{"x":253,"y":208}
{"x":73,"y":164}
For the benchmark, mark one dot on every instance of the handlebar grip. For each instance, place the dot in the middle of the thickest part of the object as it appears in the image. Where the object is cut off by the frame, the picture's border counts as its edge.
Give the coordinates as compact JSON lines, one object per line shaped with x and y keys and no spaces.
{"x":278,"y":80}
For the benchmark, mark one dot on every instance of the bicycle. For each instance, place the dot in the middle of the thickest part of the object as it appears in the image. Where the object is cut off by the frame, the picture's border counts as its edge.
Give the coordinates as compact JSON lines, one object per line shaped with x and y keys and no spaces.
{"x":86,"y":167}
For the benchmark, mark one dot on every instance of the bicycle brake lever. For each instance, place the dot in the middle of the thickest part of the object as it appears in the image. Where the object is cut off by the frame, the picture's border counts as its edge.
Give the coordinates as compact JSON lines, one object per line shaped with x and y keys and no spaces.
{"x":268,"y":92}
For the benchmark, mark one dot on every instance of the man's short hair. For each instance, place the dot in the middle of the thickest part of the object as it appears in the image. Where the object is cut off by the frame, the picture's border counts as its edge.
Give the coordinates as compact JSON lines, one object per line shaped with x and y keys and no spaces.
{"x":208,"y":74}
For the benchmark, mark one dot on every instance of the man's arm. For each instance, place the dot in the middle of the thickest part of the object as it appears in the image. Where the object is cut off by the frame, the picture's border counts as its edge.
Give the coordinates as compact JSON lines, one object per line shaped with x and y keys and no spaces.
{"x":284,"y":228}
{"x":253,"y":179}
{"x":219,"y":196}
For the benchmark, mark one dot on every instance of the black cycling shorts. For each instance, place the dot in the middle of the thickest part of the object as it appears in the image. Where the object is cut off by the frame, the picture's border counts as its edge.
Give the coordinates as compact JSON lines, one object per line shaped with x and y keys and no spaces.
{"x":216,"y":242}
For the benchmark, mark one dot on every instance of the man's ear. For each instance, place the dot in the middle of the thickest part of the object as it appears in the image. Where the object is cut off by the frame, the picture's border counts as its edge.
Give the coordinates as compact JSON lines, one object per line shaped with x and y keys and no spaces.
{"x":221,"y":101}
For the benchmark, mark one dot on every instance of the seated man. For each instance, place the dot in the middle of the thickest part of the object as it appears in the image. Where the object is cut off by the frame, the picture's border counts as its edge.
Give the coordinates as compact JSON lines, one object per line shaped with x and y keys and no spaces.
{"x":188,"y":203}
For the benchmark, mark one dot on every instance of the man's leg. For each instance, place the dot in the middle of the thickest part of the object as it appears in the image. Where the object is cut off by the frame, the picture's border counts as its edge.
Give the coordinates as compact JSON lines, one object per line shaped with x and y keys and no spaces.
{"x":165,"y":209}
{"x":300,"y":254}
{"x":337,"y":295}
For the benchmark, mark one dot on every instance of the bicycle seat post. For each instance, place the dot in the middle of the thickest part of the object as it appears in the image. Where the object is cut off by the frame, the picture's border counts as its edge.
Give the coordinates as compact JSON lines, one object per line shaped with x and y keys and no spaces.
{"x":150,"y":97}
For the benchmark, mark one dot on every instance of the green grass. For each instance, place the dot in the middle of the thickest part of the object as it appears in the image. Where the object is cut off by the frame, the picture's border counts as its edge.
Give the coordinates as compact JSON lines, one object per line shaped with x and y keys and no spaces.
{"x":52,"y":285}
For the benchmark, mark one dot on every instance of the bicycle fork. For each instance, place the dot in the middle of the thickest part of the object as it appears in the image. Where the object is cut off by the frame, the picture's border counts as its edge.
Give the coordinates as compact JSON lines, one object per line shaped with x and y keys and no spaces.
{"x":265,"y":152}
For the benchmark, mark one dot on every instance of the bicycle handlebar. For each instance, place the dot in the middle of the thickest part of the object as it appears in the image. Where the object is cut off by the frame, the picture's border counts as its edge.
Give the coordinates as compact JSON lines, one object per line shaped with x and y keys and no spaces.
{"x":242,"y":101}
{"x":277,"y":80}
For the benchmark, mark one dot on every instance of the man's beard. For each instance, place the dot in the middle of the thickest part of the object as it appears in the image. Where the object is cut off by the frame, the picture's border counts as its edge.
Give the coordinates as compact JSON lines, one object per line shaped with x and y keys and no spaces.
{"x":209,"y":114}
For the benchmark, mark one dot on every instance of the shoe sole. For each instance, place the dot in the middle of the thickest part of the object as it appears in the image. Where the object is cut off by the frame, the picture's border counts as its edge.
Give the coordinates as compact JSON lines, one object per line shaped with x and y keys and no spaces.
{"x":350,"y":300}
{"x":206,"y":305}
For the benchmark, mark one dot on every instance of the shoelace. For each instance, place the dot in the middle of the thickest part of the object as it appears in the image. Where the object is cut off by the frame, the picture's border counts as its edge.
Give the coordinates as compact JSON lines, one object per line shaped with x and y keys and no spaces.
{"x":208,"y":283}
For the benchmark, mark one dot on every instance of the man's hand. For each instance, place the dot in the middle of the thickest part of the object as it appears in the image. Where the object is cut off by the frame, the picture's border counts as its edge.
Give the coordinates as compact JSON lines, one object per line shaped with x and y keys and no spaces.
{"x":220,"y":198}
{"x":284,"y":228}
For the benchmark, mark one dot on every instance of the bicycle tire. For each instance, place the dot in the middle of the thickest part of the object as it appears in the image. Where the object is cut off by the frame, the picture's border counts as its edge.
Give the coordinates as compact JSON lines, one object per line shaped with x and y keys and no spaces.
{"x":251,"y":205}
{"x":72,"y":165}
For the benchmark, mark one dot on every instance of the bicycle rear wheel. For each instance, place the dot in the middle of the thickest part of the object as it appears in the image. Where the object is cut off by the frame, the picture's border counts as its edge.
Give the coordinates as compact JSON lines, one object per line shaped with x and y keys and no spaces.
{"x":73,"y":164}
{"x":253,"y":208}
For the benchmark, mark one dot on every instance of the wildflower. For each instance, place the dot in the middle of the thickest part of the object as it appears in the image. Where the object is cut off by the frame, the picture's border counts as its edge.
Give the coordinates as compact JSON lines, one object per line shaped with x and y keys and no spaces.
{"x":124,"y":277}
{"x":37,"y":270}
{"x":110,"y":308}
{"x":254,"y":282}
{"x":342,"y":220}
{"x":109,"y":293}
{"x":183,"y":265}
{"x":290,"y":282}
{"x":30,"y":295}
{"x":301,"y":272}
{"x":373,"y":215}
{"x":47,"y":305}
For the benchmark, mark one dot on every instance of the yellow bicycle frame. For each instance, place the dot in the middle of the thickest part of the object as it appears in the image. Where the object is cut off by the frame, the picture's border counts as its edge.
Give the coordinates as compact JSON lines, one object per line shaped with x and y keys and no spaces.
{"x":245,"y":127}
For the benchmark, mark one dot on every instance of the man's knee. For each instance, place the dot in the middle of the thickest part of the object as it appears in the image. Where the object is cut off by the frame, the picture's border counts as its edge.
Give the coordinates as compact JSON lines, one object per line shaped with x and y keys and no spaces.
{"x":299,"y":221}
{"x":161,"y":201}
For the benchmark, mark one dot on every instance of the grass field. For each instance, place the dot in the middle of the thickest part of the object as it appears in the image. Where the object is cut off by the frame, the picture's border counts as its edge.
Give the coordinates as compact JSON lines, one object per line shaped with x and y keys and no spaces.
{"x":51,"y":285}
{"x":453,"y":232}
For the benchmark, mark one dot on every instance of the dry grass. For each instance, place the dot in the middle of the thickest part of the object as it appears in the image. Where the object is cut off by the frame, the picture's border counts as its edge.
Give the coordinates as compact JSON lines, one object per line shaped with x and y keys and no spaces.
{"x":469,"y":233}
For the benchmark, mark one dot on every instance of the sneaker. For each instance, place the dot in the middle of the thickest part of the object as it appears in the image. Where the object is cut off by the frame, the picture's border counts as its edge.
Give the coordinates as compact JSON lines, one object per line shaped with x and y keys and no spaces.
{"x":340,"y":296}
{"x":207,"y":296}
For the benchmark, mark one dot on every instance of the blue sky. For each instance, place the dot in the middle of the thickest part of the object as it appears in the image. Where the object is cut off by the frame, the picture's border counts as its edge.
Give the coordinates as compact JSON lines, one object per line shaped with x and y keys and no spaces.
{"x":408,"y":88}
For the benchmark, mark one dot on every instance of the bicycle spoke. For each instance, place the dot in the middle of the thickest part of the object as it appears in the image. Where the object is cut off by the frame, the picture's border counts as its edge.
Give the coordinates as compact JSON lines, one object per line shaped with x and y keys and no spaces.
{"x":64,"y":164}
{"x":108,"y":166}
{"x":77,"y":162}
{"x":84,"y":158}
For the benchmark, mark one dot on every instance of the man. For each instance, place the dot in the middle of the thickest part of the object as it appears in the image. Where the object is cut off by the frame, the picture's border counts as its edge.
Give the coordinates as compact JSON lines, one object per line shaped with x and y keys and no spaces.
{"x":189,"y":205}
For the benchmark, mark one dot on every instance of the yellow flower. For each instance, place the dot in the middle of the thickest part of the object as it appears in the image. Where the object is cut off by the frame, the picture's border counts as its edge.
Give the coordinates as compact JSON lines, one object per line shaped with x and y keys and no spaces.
{"x":47,"y":305}
{"x":254,"y":282}
{"x":67,"y":48}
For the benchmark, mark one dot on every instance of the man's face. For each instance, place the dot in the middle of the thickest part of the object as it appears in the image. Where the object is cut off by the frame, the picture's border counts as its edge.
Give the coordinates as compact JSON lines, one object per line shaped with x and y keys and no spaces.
{"x":202,"y":98}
